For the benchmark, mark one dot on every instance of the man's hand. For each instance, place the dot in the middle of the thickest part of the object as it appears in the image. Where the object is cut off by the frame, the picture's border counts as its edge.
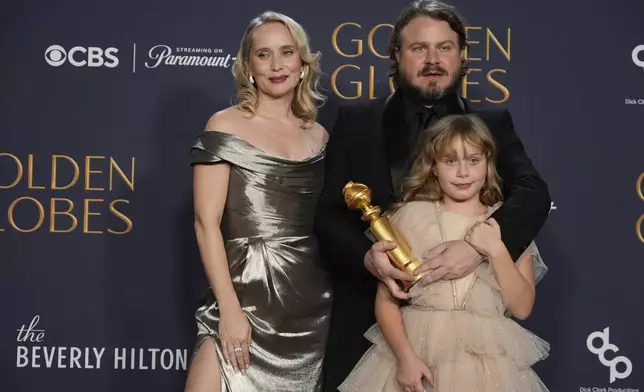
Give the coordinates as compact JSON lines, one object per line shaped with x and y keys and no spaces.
{"x":449,"y":260}
{"x":378,"y":264}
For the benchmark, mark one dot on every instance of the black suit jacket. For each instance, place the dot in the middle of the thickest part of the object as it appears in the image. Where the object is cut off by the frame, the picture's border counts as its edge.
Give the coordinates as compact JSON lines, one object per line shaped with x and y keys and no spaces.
{"x":361,"y":149}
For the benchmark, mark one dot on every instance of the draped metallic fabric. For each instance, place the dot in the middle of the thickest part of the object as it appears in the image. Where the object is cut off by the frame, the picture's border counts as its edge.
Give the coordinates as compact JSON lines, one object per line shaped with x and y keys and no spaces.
{"x":274,"y":264}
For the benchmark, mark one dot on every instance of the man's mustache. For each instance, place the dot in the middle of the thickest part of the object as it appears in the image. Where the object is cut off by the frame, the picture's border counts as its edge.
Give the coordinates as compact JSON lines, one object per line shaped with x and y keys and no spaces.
{"x":432,"y":70}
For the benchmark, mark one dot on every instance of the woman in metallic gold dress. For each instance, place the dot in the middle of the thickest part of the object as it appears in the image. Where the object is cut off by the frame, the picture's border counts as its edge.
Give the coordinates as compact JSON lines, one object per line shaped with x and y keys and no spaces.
{"x":258,"y":171}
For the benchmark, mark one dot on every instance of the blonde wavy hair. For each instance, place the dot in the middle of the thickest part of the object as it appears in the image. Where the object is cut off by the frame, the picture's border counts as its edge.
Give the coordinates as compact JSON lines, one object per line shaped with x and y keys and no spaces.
{"x":307,"y":99}
{"x":437,"y":142}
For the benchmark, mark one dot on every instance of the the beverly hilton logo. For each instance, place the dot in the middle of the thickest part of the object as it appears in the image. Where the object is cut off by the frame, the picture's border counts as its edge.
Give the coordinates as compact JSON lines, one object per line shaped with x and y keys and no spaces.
{"x":33,"y":352}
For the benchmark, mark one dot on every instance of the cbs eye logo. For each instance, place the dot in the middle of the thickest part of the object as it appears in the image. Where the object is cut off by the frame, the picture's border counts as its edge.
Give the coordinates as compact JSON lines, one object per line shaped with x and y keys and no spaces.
{"x":79,"y":56}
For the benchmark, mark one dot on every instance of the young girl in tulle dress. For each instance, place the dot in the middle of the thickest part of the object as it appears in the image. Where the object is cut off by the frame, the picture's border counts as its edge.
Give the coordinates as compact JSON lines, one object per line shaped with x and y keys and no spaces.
{"x":455,"y":335}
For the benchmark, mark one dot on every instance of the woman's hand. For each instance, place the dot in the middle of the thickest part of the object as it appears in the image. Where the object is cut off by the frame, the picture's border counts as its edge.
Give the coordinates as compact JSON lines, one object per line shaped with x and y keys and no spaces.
{"x":410,"y":375}
{"x":234,"y":333}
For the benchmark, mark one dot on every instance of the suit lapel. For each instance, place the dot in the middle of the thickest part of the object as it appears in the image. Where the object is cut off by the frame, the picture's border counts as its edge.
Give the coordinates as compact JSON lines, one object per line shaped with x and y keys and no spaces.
{"x":369,"y":159}
{"x":396,"y":138}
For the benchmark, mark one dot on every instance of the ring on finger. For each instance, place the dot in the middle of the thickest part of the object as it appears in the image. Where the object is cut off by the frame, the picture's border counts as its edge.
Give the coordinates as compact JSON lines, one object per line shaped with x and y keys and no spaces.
{"x":238,"y":349}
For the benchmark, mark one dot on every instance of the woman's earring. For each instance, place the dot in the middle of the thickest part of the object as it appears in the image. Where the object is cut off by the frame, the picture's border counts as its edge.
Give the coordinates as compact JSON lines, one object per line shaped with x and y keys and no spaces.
{"x":252,"y":79}
{"x":302,"y":74}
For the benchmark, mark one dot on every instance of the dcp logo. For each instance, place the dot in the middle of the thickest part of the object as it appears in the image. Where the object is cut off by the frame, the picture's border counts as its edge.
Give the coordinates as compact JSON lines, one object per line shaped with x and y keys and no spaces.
{"x":601,"y":353}
{"x":637,"y":51}
{"x":79,"y":56}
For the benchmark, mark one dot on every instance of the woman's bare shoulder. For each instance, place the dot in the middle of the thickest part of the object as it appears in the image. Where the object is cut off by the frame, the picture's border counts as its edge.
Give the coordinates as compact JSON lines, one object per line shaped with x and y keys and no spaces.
{"x":229,"y":120}
{"x":320,"y":132}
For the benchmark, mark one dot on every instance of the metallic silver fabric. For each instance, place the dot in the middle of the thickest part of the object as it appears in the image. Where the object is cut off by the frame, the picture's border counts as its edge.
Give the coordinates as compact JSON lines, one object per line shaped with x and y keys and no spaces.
{"x":274,"y":264}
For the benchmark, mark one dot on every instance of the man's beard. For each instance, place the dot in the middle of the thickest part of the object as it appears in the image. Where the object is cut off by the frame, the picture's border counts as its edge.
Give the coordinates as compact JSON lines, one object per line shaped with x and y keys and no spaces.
{"x":432,"y":93}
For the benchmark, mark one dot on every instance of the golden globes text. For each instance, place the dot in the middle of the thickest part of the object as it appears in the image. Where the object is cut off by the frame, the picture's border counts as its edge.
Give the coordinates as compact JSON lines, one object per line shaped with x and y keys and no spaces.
{"x":358,"y":197}
{"x":488,"y":55}
{"x":63,"y":194}
{"x":639,"y":225}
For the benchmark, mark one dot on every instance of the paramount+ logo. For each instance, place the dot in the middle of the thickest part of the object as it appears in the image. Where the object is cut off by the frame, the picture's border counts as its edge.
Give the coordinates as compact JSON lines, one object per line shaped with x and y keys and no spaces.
{"x":81,"y":56}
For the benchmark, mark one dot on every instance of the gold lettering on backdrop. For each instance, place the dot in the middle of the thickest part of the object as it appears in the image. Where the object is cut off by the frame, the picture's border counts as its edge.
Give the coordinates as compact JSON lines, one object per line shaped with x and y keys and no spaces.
{"x":54,"y":172}
{"x":489,"y":35}
{"x":88,"y":171}
{"x":498,"y":85}
{"x":30,"y":174}
{"x":476,"y":63}
{"x":372,"y":32}
{"x":128,"y":221}
{"x":467,"y":82}
{"x":488,"y":55}
{"x":334,"y":83}
{"x":334,"y":40}
{"x":341,"y":39}
{"x":68,"y":213}
{"x":86,"y":229}
{"x":471,"y":42}
{"x":11,"y":214}
{"x":67,"y":201}
{"x":128,"y":181}
{"x":639,"y":225}
{"x":19,"y":168}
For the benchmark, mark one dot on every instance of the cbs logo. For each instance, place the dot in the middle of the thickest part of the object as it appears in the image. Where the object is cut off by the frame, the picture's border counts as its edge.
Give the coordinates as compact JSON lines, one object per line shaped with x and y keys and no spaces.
{"x":79,"y":56}
{"x":600,"y":351}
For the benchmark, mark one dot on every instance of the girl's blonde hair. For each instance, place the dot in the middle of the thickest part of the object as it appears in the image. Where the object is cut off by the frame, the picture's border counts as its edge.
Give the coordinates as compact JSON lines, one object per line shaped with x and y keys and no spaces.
{"x":307,"y":90}
{"x":437,"y":141}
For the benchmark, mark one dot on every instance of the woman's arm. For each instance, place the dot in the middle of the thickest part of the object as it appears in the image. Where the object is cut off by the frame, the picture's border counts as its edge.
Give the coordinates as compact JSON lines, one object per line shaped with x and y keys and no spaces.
{"x":391,"y":324}
{"x":210,"y":188}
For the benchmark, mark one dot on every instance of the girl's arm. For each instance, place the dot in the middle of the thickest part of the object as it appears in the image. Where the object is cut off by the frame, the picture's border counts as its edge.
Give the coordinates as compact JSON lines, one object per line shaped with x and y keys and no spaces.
{"x":515,"y":279}
{"x":390,"y":320}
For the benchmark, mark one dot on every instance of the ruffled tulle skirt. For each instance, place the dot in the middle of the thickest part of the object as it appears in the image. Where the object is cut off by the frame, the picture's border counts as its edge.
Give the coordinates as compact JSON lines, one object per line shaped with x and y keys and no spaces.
{"x":465,"y":351}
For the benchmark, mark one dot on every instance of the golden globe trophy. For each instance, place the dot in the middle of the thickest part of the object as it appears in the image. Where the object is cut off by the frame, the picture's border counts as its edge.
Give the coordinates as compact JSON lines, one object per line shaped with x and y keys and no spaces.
{"x":358,"y":197}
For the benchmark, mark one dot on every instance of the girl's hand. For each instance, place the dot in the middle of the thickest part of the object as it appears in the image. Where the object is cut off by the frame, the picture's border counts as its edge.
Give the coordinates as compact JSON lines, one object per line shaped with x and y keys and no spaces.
{"x":410,"y":375}
{"x":485,"y":237}
{"x":234,"y":333}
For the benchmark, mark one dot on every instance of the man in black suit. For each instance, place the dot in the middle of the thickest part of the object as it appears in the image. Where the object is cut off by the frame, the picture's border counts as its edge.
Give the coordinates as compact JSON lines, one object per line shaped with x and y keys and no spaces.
{"x":373,"y":144}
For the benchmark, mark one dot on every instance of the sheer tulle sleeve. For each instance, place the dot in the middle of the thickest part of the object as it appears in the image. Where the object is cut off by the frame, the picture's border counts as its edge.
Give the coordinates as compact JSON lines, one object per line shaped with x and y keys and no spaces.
{"x":540,"y":268}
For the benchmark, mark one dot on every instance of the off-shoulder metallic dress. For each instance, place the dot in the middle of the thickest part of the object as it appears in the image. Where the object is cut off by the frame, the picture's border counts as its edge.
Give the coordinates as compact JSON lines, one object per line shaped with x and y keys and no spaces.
{"x":274,"y":264}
